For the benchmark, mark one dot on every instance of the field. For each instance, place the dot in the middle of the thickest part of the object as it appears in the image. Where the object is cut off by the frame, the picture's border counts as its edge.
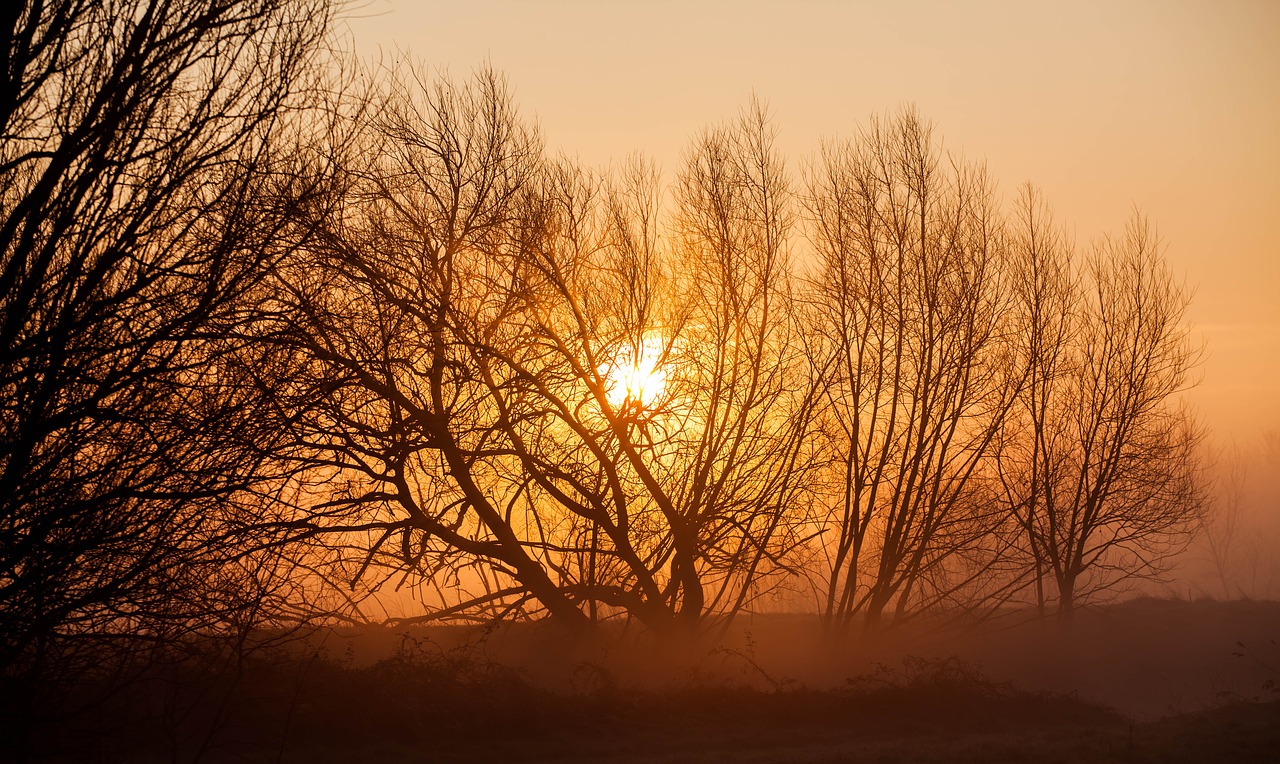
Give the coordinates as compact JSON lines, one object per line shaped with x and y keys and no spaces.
{"x":1147,"y":680}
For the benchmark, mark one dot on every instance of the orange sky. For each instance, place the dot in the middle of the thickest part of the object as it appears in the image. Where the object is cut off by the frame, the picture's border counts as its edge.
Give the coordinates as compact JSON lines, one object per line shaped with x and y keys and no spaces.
{"x":1170,"y":106}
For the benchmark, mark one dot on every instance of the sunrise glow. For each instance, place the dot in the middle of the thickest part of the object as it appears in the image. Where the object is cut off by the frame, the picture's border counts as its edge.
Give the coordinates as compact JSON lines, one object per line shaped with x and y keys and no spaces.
{"x":636,"y":377}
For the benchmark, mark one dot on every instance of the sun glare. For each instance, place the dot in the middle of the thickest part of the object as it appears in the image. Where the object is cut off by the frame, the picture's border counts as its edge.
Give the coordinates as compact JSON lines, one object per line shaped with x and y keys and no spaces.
{"x":636,"y":376}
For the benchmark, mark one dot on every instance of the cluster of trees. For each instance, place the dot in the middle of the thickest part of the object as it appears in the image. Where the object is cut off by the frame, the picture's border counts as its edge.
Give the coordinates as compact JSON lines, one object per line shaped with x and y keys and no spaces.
{"x":271,"y":337}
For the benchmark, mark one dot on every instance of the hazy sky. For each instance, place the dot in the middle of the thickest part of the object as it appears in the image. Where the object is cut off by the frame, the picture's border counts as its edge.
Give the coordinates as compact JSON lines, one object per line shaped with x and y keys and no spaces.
{"x":1173,"y":107}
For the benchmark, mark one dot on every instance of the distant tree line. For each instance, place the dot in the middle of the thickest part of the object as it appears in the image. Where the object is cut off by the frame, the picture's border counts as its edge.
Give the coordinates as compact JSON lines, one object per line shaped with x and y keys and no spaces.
{"x":278,"y":330}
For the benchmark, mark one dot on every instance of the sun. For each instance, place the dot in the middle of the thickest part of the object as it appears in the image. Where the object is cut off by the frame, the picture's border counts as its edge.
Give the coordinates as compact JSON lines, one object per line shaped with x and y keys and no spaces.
{"x":636,"y":377}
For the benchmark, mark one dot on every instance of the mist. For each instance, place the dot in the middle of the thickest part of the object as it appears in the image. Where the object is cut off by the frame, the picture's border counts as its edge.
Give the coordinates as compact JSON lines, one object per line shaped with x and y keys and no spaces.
{"x":347,"y":415}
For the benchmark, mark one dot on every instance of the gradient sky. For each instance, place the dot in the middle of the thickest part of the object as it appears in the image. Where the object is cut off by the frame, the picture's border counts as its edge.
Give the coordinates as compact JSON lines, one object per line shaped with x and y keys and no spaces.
{"x":1172,"y":107}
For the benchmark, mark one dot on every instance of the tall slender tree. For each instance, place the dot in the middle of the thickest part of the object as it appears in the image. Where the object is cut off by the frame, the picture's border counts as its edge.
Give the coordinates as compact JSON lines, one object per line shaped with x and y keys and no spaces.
{"x":907,"y":318}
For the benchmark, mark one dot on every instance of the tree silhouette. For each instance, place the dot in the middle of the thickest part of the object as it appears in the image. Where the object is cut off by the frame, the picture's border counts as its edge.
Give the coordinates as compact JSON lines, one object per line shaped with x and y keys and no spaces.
{"x":907,"y":319}
{"x":252,"y":349}
{"x":481,"y":319}
{"x":139,"y":139}
{"x":1103,"y":473}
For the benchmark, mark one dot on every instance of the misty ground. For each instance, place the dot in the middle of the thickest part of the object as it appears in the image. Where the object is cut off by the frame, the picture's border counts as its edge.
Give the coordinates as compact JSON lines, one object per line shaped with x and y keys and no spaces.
{"x":1147,"y":680}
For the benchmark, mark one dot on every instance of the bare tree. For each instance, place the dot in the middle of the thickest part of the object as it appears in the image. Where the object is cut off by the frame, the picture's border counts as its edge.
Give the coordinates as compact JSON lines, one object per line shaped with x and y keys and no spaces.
{"x":1107,"y":478}
{"x":1221,"y":526}
{"x":751,"y":401}
{"x":525,"y":388}
{"x":136,"y":142}
{"x":908,"y":301}
{"x":1237,"y":530}
{"x":1047,"y":298}
{"x":393,"y":308}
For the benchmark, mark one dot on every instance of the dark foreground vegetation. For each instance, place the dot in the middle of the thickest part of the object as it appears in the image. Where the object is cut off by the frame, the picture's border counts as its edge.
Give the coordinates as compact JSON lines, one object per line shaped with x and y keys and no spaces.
{"x":444,"y":709}
{"x":404,"y":710}
{"x":477,"y":695}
